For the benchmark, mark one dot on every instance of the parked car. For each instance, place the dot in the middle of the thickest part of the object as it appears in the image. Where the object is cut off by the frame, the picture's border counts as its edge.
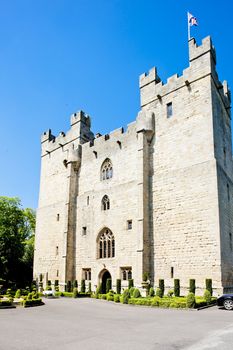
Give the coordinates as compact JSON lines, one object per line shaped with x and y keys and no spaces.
{"x":226,"y":300}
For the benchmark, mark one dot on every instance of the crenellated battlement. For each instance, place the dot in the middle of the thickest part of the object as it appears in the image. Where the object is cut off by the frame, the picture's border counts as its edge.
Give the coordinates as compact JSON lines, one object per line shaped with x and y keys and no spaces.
{"x":202,"y":60}
{"x":196,"y":51}
{"x":148,"y":78}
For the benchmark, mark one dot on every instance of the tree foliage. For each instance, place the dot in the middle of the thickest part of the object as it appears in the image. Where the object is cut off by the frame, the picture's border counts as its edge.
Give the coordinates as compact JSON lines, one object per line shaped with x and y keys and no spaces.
{"x":17,"y":227}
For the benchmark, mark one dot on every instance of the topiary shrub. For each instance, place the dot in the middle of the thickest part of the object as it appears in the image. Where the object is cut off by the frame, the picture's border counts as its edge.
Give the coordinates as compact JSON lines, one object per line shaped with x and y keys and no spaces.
{"x":98,"y":290}
{"x":75,"y":284}
{"x":35,"y":295}
{"x":159,"y":293}
{"x":110,"y":295}
{"x":103,"y":297}
{"x":145,"y":276}
{"x":118,"y":286}
{"x":207,"y":296}
{"x":89,"y":287}
{"x":56,"y":285}
{"x":176,"y":287}
{"x":161,"y":286}
{"x":130,"y":283}
{"x":116,"y":298}
{"x":131,"y":290}
{"x":136,"y":293}
{"x":192,"y":286}
{"x":108,"y":285}
{"x":208,"y":283}
{"x":170,"y":293}
{"x":83,"y":286}
{"x":29,"y":296}
{"x":174,"y":304}
{"x":18,"y":294}
{"x":151,"y":292}
{"x":125,"y":297}
{"x":49,"y":283}
{"x":68,"y":286}
{"x":75,"y":293}
{"x":156,"y":301}
{"x":190,"y":301}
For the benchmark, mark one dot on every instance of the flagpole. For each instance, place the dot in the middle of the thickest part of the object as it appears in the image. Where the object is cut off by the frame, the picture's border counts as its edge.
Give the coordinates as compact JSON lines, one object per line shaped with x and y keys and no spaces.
{"x":188,"y":26}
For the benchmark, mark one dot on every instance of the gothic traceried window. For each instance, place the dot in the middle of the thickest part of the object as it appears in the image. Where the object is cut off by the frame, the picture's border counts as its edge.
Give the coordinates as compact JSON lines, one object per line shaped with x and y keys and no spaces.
{"x":106,"y":170}
{"x":106,"y":244}
{"x":105,"y":205}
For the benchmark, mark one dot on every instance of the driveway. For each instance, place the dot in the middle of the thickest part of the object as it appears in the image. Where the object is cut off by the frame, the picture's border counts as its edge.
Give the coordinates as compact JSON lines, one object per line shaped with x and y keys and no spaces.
{"x":89,"y":324}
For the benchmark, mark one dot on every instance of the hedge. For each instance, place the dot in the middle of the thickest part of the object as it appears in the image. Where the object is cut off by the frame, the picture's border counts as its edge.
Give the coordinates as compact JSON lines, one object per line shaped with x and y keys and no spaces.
{"x":5,"y":303}
{"x":33,"y":302}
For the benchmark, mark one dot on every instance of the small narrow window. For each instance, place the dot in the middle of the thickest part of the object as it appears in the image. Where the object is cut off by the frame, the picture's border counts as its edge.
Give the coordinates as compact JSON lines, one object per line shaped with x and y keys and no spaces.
{"x":58,"y":217}
{"x":88,"y":200}
{"x":57,"y":250}
{"x":84,"y":231}
{"x":105,"y":203}
{"x":86,"y":274}
{"x":57,"y":273}
{"x":169,"y":110}
{"x":126,"y":273}
{"x":129,"y":224}
{"x":224,"y":155}
{"x":172,"y":272}
{"x":228,"y":193}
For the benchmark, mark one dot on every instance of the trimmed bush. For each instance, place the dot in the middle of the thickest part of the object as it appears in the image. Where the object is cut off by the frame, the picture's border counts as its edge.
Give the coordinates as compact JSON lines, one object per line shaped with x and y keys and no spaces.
{"x":136,"y":293}
{"x":5,"y":303}
{"x":207,"y":296}
{"x":56,"y":285}
{"x":140,"y":301}
{"x":29,"y":296}
{"x":161,"y":286}
{"x":190,"y":301}
{"x":118,"y":286}
{"x":18,"y":294}
{"x":110,"y":296}
{"x":159,"y":293}
{"x":116,"y":298}
{"x":89,"y":287}
{"x":130,"y":283}
{"x":33,"y":302}
{"x":49,"y":283}
{"x":131,"y":291}
{"x":208,"y":283}
{"x":125,"y":297}
{"x":98,"y":290}
{"x":151,"y":292}
{"x":75,"y":293}
{"x":156,"y":301}
{"x":75,"y":284}
{"x":170,"y":293}
{"x":192,"y":286}
{"x":83,"y":286}
{"x":68,"y":286}
{"x":108,"y":285}
{"x":176,"y":287}
{"x":103,"y":296}
{"x":145,"y":276}
{"x":35,"y":295}
{"x":174,"y":305}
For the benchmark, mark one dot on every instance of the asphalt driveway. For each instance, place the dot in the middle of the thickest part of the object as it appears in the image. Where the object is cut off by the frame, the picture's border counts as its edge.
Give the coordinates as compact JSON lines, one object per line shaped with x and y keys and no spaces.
{"x":89,"y":324}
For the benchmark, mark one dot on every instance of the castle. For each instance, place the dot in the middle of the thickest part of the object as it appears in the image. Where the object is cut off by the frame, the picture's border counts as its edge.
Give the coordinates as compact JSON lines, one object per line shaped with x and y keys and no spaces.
{"x":155,"y":198}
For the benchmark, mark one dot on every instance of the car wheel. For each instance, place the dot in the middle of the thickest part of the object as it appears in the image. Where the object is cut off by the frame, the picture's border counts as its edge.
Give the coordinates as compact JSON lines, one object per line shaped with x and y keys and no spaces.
{"x":228,"y":304}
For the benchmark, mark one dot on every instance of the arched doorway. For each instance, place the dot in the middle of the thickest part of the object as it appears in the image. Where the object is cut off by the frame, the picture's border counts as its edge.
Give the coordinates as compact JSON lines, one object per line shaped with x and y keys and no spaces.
{"x":105,"y":276}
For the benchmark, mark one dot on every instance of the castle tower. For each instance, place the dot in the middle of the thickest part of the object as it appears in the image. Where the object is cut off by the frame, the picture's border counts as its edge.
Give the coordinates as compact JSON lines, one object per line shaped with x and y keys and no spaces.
{"x":192,"y":182}
{"x":54,"y":257}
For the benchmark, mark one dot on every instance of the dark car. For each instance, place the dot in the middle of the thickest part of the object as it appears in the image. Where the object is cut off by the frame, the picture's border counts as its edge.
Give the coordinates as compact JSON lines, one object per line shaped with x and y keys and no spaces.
{"x":226,"y":300}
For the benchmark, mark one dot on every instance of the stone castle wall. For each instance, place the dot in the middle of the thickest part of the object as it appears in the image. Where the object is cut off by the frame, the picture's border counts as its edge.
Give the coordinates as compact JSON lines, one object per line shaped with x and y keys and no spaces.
{"x":172,"y":176}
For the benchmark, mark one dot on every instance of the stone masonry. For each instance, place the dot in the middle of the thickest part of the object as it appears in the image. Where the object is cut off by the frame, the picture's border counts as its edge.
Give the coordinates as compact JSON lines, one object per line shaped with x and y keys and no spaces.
{"x":170,"y":189}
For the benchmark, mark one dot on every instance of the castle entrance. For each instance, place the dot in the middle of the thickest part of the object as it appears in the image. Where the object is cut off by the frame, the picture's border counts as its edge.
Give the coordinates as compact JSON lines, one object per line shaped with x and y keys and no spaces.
{"x":104,"y":276}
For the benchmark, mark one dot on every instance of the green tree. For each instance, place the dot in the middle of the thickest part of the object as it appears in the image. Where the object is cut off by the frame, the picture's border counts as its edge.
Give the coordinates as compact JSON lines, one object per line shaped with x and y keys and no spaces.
{"x":17,"y":228}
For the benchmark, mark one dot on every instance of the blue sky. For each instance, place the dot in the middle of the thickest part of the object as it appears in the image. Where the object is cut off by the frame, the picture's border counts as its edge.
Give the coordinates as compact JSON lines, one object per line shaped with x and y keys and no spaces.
{"x":60,"y":56}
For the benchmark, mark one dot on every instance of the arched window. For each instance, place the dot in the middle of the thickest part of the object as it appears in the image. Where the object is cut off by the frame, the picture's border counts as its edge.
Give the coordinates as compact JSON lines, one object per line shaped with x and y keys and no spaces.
{"x":106,"y":244}
{"x":105,"y":204}
{"x":106,"y":170}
